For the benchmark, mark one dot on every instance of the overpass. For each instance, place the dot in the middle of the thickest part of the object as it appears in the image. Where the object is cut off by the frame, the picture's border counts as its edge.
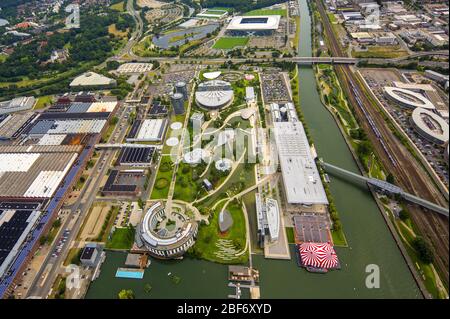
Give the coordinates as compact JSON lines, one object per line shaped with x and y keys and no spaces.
{"x":323,"y":60}
{"x":385,"y":186}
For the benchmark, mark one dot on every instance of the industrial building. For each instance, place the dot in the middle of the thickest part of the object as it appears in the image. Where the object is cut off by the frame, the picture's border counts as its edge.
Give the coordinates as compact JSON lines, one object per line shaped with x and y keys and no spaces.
{"x":13,"y":125}
{"x":301,"y":179}
{"x":215,"y":94}
{"x":33,"y":175}
{"x":254,"y":25}
{"x":17,"y":104}
{"x":161,"y":241}
{"x":151,"y":130}
{"x":136,"y":156}
{"x":17,"y":221}
{"x":122,"y":183}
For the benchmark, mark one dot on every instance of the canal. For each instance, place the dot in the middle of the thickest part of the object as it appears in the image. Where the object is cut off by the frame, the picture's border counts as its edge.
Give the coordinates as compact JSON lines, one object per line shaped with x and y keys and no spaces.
{"x":370,"y":241}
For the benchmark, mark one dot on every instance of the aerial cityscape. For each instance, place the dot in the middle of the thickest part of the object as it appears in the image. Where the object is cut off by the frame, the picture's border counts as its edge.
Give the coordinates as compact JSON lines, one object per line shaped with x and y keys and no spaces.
{"x":224,"y":149}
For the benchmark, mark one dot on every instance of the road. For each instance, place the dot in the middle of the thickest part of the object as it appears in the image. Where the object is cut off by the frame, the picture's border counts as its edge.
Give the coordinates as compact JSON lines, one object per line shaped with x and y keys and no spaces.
{"x":52,"y":266}
{"x":394,"y":156}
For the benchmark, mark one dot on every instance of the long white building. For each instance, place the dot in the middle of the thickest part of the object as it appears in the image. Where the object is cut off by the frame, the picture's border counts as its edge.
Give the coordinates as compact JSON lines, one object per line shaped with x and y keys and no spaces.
{"x":301,"y":178}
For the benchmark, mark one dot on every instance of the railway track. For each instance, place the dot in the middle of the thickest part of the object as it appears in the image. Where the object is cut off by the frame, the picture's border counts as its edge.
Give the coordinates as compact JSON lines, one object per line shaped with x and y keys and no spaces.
{"x":395,"y":157}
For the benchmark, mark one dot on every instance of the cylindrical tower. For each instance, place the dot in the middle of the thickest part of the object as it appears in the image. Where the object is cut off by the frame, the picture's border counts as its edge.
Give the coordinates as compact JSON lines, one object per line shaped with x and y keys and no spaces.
{"x":177,"y":103}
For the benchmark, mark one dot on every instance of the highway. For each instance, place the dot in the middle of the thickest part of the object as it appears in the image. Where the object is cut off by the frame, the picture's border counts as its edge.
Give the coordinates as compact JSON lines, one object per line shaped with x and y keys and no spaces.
{"x":52,"y":266}
{"x":394,"y":156}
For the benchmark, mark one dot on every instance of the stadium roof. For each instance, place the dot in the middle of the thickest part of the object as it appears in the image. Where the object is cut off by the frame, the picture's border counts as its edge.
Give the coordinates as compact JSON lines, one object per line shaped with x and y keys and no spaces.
{"x":300,"y":175}
{"x":254,"y":23}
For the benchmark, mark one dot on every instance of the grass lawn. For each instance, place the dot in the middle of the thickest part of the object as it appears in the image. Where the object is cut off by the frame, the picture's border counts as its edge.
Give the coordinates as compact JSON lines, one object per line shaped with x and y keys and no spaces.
{"x":290,"y":235}
{"x":228,"y":43}
{"x":188,"y":185}
{"x":3,"y":57}
{"x":113,"y":30}
{"x":332,"y":17}
{"x":339,"y":238}
{"x":162,"y":181}
{"x":122,"y":238}
{"x":118,"y":6}
{"x":267,"y":12}
{"x":385,"y":52}
{"x":209,"y":237}
{"x":43,"y":102}
{"x":215,"y":11}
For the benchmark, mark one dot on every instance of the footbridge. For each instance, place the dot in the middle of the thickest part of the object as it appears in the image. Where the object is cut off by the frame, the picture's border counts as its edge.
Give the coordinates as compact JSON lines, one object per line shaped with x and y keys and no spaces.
{"x":120,"y":146}
{"x":384,"y":186}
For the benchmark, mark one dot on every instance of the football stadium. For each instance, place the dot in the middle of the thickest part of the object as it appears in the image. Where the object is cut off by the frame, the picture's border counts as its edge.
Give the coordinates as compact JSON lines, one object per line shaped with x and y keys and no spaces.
{"x":253,"y":25}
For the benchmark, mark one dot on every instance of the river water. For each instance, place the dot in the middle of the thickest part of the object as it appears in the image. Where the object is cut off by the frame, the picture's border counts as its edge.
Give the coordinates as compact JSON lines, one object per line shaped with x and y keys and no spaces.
{"x":370,"y":241}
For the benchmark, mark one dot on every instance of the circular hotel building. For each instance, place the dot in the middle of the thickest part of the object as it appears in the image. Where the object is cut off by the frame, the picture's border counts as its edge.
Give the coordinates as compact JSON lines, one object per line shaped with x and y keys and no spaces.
{"x":165,"y":235}
{"x":430,"y":125}
{"x":214,"y":95}
{"x":407,"y":98}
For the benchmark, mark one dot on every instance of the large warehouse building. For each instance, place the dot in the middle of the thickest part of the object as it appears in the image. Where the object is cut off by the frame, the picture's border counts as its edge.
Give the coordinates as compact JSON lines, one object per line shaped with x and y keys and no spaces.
{"x":302,"y":182}
{"x":215,"y":94}
{"x":253,"y":25}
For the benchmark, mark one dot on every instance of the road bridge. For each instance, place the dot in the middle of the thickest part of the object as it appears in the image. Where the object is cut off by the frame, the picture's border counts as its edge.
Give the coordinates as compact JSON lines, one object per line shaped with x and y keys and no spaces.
{"x":386,"y":187}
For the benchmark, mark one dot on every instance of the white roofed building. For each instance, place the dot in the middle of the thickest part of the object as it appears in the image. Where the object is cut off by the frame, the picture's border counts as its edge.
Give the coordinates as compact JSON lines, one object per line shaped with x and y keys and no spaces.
{"x":301,"y":178}
{"x":253,"y":25}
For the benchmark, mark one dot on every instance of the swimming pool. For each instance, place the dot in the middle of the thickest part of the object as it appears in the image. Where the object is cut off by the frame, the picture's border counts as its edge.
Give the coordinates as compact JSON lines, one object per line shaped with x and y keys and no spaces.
{"x":129,"y":273}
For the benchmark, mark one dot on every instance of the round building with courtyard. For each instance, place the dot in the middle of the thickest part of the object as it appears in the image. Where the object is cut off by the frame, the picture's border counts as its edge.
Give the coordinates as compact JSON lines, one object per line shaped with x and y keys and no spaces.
{"x":165,"y":235}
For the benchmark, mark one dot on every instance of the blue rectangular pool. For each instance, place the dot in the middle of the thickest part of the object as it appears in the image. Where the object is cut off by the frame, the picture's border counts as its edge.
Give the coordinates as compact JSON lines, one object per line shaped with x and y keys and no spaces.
{"x":129,"y":273}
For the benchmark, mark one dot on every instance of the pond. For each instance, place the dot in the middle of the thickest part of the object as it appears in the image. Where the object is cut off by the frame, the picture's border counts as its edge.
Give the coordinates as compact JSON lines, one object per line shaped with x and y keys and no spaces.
{"x":178,"y":38}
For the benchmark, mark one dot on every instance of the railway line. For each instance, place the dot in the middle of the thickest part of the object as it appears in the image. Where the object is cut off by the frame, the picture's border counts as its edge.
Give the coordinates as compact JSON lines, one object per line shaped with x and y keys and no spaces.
{"x":395,"y":157}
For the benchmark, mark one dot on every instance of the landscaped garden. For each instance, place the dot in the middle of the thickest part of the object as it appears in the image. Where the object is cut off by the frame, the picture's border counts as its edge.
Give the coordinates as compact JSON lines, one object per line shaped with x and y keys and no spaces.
{"x":227,"y":248}
{"x":122,"y":238}
{"x":163,"y":178}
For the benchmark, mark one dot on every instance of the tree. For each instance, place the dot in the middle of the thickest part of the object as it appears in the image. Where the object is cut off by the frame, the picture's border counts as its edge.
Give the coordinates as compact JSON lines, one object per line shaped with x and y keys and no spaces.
{"x":403,"y":215}
{"x":423,"y":250}
{"x":126,"y":294}
{"x":390,"y":178}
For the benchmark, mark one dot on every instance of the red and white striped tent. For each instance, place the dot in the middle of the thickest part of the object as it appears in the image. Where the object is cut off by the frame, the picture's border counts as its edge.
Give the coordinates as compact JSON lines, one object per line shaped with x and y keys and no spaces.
{"x":318,"y":255}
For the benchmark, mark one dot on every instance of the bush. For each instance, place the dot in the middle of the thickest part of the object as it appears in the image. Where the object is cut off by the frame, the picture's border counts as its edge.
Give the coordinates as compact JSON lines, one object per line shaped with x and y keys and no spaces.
{"x":161,"y":183}
{"x":403,"y":215}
